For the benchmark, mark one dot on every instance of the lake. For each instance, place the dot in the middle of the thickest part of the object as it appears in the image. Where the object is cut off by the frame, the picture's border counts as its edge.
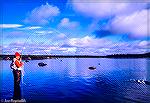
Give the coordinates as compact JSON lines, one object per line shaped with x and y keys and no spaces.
{"x":68,"y":80}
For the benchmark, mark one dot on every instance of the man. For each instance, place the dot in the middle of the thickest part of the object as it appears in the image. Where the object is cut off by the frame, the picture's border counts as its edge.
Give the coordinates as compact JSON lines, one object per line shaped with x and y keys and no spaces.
{"x":17,"y":65}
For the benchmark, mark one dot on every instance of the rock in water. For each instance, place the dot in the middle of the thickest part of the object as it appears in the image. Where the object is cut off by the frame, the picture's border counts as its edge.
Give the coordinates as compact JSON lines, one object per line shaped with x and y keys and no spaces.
{"x":42,"y":64}
{"x":92,"y":68}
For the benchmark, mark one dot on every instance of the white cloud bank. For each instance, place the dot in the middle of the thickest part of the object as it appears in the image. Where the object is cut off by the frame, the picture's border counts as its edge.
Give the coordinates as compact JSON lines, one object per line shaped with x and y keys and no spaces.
{"x":135,"y":24}
{"x":10,"y":25}
{"x":128,"y":17}
{"x":144,"y":44}
{"x":99,"y":8}
{"x":80,"y":46}
{"x":42,"y":15}
{"x":88,"y":42}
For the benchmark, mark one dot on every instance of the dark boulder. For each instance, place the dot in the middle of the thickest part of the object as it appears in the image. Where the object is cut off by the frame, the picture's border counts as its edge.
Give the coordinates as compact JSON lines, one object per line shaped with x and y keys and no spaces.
{"x":92,"y":68}
{"x":42,"y":64}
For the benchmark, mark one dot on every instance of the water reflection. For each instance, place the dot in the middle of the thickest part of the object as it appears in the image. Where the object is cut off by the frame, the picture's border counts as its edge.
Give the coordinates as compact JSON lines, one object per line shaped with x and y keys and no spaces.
{"x":17,"y":89}
{"x":17,"y":92}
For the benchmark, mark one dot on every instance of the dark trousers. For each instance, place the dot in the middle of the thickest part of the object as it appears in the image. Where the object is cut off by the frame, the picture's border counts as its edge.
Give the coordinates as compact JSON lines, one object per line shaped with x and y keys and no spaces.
{"x":17,"y":79}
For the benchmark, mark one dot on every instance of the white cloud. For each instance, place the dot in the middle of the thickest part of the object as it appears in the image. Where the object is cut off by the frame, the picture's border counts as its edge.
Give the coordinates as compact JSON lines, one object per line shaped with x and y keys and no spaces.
{"x":42,"y":15}
{"x":90,"y":45}
{"x":128,"y":17}
{"x":72,"y":49}
{"x":30,"y":28}
{"x":134,"y":24}
{"x":43,"y":32}
{"x":99,"y":8}
{"x":144,"y":44}
{"x":66,"y":23}
{"x":61,"y":36}
{"x":88,"y":42}
{"x":35,"y":27}
{"x":10,"y":25}
{"x":102,"y":48}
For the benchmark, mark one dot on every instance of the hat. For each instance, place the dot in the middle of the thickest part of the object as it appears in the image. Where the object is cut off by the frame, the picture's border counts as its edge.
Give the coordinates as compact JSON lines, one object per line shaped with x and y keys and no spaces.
{"x":17,"y":54}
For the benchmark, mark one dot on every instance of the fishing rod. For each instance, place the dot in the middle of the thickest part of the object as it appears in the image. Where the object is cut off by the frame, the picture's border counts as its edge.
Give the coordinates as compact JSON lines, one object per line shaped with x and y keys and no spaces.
{"x":22,"y":54}
{"x":36,"y":41}
{"x":23,"y":71}
{"x":58,"y":32}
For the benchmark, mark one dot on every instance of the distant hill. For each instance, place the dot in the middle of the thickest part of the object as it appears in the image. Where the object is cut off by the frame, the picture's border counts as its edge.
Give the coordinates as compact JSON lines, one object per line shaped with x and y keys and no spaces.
{"x":38,"y":57}
{"x":145,"y":55}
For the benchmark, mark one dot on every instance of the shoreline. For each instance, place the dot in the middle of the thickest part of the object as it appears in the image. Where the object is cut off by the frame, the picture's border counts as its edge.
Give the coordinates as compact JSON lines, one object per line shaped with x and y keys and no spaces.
{"x":40,"y":57}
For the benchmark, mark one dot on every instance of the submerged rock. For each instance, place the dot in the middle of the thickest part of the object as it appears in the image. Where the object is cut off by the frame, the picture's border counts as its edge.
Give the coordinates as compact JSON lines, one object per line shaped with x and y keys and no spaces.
{"x":92,"y":68}
{"x":42,"y":64}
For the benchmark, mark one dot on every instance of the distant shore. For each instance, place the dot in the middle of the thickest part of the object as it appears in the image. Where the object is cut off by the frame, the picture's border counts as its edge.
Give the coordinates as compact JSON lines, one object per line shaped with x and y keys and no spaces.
{"x":39,"y":57}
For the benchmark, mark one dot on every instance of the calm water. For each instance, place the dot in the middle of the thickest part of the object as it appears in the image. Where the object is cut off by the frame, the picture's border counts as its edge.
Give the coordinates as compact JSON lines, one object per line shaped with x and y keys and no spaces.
{"x":68,"y":80}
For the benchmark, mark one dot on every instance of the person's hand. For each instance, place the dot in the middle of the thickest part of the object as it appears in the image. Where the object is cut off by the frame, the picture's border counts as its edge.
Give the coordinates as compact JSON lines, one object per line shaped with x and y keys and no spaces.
{"x":22,"y":63}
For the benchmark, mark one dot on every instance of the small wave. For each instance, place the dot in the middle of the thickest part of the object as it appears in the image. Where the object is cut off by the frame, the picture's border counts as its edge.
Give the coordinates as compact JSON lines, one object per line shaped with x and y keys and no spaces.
{"x":140,"y":81}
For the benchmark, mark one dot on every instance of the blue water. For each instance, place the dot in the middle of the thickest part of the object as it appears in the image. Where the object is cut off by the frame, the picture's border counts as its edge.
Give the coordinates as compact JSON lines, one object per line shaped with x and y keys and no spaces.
{"x":68,"y":80}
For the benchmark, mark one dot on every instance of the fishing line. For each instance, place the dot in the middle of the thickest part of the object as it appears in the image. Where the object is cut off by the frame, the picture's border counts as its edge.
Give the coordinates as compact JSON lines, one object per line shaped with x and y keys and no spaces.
{"x":58,"y":32}
{"x":22,"y":75}
{"x":24,"y":48}
{"x":22,"y":71}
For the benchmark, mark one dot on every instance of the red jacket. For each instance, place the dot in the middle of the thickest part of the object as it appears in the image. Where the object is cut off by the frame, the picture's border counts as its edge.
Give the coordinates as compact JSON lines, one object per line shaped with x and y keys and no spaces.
{"x":18,"y":63}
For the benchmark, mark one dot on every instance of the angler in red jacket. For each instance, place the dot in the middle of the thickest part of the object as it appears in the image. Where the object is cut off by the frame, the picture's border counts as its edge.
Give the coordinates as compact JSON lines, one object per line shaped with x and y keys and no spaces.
{"x":17,"y":66}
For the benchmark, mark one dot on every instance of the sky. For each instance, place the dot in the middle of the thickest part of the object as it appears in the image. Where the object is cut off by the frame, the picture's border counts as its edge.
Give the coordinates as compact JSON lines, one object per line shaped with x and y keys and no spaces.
{"x":74,"y":27}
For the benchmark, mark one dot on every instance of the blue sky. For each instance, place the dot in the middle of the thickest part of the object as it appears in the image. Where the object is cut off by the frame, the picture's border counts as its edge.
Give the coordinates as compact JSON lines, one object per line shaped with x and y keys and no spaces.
{"x":64,"y":27}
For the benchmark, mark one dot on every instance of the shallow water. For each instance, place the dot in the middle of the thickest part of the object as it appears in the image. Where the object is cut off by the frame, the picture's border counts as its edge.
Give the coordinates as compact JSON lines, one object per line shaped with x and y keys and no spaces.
{"x":66,"y":80}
